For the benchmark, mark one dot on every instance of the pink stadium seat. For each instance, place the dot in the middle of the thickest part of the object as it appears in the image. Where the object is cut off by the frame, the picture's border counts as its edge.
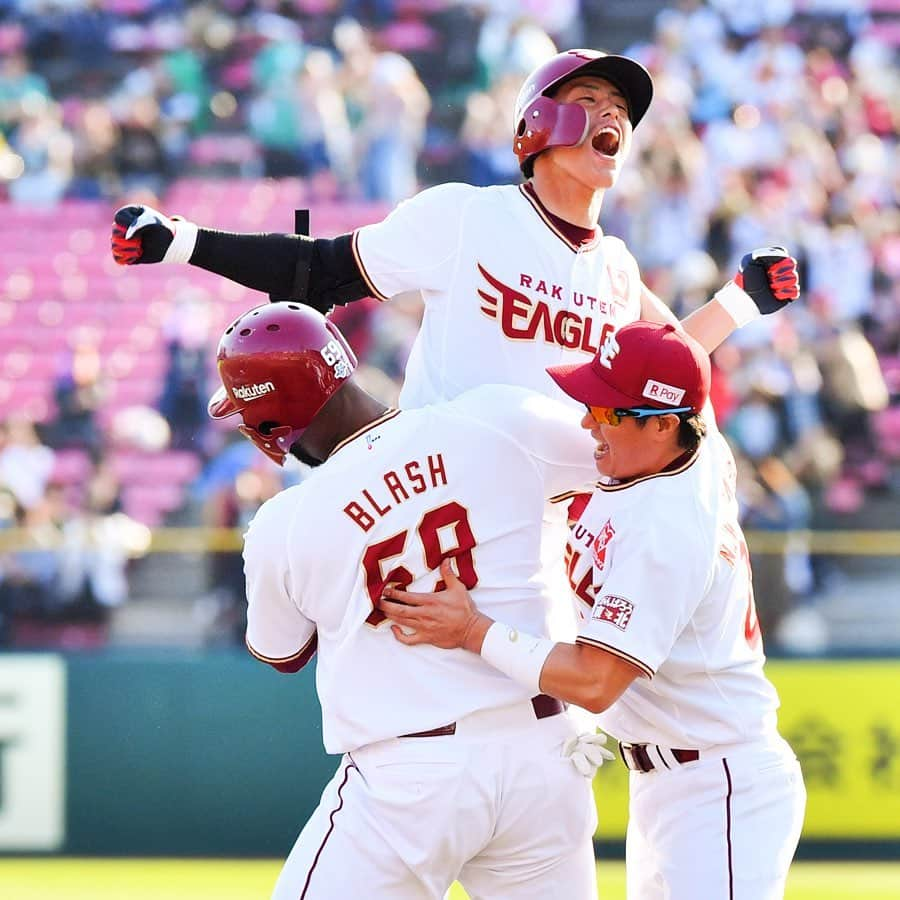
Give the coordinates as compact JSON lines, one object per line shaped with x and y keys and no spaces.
{"x":146,"y":515}
{"x":887,"y":427}
{"x":16,"y":362}
{"x":146,"y":501}
{"x":78,"y":294}
{"x":71,"y":466}
{"x":181,"y":465}
{"x":166,"y":467}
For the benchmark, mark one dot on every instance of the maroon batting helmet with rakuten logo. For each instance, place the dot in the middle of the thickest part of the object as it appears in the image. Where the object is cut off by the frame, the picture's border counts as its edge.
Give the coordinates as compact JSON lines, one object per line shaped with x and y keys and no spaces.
{"x":642,"y":365}
{"x":540,"y":122}
{"x":279,"y":364}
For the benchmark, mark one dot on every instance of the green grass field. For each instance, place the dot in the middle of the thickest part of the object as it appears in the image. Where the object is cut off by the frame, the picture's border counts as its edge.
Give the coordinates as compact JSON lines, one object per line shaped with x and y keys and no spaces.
{"x":137,"y":879}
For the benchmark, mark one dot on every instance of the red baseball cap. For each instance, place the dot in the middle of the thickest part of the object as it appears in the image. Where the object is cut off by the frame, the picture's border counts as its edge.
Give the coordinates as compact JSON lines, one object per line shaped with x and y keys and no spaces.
{"x":644,"y":364}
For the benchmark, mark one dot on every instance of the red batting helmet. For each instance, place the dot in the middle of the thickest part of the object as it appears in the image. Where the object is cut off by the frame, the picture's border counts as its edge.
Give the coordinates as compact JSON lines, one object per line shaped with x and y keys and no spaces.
{"x":541,"y":122}
{"x":279,"y":364}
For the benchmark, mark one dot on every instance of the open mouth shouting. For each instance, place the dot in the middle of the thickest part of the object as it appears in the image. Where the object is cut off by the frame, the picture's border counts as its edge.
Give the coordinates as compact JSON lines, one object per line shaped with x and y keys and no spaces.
{"x":606,"y":141}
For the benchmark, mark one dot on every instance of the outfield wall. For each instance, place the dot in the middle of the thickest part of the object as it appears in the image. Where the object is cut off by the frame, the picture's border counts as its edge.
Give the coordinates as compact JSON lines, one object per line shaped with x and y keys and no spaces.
{"x":213,"y":754}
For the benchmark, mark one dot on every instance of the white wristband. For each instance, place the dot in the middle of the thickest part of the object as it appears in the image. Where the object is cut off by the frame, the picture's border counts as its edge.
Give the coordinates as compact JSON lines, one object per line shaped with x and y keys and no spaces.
{"x":183,"y":242}
{"x":520,"y":656}
{"x":737,"y":303}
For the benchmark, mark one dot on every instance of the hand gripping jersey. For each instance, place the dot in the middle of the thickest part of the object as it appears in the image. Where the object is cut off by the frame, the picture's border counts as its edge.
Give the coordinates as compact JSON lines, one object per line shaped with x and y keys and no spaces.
{"x":466,"y":479}
{"x":661,"y":577}
{"x":506,"y":292}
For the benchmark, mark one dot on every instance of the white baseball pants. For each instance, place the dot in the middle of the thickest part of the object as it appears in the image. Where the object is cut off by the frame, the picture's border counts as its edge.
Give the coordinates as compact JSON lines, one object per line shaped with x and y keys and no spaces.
{"x":494,"y":806}
{"x":724,"y":827}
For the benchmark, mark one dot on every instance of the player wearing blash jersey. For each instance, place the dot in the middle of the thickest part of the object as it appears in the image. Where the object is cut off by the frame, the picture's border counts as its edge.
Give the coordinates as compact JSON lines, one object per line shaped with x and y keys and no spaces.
{"x":669,"y":651}
{"x":450,"y":770}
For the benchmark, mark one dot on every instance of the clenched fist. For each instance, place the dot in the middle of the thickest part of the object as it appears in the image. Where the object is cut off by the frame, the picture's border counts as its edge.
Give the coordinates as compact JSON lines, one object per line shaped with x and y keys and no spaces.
{"x":769,"y":276}
{"x":141,"y":234}
{"x":766,"y":281}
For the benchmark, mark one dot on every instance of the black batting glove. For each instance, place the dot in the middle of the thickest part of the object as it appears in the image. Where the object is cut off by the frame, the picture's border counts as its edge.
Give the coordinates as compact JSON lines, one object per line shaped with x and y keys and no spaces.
{"x":769,"y":276}
{"x":141,"y":234}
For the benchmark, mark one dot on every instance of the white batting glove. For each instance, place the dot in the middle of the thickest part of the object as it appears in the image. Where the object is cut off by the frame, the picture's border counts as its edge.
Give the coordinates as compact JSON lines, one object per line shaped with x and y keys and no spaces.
{"x":587,"y":752}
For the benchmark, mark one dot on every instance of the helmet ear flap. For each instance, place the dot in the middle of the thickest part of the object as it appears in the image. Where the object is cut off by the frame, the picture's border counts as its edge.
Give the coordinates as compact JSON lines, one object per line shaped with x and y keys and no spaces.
{"x":544,"y":123}
{"x":275,"y":442}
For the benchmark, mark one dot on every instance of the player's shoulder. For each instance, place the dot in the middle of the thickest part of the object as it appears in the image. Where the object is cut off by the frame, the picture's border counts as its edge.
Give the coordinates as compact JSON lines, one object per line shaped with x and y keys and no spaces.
{"x":450,"y":194}
{"x":276,"y":515}
{"x":526,"y":421}
{"x":434,"y":207}
{"x":616,"y":250}
{"x":665,"y":536}
{"x":664,"y":505}
{"x":502,"y":405}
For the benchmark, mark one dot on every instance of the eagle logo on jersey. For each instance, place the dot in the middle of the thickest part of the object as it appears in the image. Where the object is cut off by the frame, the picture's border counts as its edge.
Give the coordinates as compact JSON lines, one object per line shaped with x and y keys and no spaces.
{"x":598,"y":547}
{"x":615,"y":610}
{"x":524,"y":319}
{"x":609,"y":350}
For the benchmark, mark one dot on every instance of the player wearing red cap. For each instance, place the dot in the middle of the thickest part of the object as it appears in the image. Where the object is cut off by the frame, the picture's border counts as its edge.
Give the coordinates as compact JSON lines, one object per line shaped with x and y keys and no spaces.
{"x":668,"y":651}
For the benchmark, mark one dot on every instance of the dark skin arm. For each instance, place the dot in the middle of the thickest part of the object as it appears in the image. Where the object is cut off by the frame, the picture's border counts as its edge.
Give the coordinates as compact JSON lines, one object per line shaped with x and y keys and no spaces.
{"x":577,"y":673}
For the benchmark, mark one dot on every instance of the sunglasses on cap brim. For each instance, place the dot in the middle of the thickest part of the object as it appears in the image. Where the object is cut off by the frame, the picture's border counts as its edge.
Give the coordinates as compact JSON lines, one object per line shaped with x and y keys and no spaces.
{"x":610,"y":415}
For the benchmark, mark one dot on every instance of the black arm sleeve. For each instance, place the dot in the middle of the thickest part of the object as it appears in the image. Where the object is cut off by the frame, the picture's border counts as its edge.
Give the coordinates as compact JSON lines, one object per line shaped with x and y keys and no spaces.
{"x":319,"y":272}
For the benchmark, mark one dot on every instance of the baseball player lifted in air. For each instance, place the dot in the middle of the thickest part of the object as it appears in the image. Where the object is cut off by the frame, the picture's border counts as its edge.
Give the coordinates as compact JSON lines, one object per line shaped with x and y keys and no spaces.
{"x":450,"y":769}
{"x":669,"y":651}
{"x":513,"y":278}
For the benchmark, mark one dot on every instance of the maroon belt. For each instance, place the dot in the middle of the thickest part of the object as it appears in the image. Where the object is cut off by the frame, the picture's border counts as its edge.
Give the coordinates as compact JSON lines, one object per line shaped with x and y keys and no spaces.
{"x":543,"y":705}
{"x":637,"y":757}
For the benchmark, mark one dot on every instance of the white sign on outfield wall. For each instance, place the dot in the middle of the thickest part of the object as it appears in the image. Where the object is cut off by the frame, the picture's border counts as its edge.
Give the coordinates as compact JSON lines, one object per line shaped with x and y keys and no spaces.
{"x":32,"y":752}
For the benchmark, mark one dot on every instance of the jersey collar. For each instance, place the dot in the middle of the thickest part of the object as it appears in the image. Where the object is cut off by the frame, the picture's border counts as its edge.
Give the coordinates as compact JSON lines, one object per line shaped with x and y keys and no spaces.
{"x":573,"y":236}
{"x":375,"y":423}
{"x":676,"y":467}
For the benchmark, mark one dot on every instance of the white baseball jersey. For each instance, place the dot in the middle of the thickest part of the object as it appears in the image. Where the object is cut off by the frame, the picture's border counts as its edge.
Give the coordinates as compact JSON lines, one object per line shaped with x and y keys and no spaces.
{"x":507,"y":290}
{"x":465,"y":479}
{"x":670,"y":591}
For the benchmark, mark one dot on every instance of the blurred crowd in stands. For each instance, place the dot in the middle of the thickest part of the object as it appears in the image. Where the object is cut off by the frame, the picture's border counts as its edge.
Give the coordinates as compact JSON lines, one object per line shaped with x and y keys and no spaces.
{"x":772,"y":122}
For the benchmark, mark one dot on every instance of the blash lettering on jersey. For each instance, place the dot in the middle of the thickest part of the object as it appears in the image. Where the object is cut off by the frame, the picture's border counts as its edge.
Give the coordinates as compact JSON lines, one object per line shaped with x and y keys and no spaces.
{"x":615,"y":610}
{"x":598,"y":547}
{"x":524,"y":319}
{"x":416,"y":477}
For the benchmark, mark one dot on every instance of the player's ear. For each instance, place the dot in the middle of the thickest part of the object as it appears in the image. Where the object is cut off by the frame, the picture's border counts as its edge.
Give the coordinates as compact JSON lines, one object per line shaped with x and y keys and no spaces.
{"x":665,"y":426}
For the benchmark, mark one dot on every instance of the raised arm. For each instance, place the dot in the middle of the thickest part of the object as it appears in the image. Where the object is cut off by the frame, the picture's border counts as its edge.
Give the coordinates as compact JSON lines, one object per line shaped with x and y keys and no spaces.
{"x":766,"y":281}
{"x":319,"y":272}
